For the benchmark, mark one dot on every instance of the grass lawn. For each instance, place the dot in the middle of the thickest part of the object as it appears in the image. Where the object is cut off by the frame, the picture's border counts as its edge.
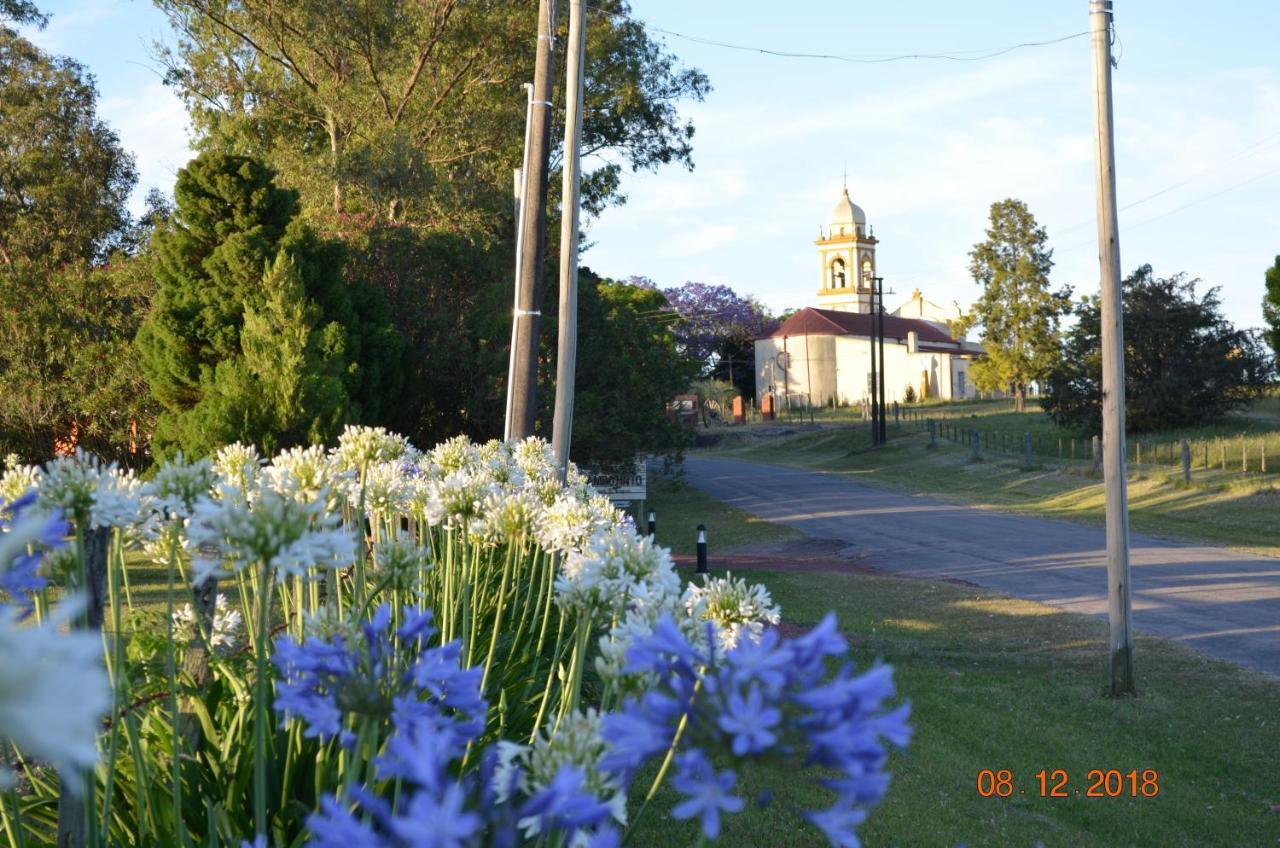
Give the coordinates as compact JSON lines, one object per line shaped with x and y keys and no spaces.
{"x":998,"y":683}
{"x":1225,"y":508}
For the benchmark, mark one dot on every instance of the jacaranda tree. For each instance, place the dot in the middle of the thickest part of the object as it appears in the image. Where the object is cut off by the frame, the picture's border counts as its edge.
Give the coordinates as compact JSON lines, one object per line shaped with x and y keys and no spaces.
{"x":253,"y":335}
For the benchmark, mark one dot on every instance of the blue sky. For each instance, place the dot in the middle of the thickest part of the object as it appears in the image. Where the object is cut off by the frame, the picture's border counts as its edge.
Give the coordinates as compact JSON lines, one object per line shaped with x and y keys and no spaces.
{"x":929,"y":145}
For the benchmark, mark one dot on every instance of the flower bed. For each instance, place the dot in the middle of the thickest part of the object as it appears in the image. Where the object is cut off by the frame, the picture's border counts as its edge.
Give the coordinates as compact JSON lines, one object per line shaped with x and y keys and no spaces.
{"x":378,"y":646}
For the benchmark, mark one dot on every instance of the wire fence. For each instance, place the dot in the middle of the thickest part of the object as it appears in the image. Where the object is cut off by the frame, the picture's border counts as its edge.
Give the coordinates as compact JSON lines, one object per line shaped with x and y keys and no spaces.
{"x":1243,"y":454}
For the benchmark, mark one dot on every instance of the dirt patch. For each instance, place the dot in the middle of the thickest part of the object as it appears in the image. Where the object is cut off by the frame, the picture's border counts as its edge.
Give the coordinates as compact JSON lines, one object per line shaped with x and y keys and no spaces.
{"x":789,"y":555}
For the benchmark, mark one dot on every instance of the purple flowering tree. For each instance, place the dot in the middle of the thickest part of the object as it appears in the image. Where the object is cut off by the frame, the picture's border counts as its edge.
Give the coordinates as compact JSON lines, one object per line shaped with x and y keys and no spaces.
{"x":718,"y":327}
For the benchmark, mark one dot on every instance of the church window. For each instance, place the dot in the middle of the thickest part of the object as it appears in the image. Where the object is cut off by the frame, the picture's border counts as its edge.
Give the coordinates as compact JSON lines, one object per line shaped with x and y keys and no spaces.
{"x":867,"y":272}
{"x":837,"y":273}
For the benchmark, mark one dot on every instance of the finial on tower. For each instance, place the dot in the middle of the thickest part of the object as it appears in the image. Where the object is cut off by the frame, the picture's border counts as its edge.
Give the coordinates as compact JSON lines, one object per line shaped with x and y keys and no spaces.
{"x":845,"y":180}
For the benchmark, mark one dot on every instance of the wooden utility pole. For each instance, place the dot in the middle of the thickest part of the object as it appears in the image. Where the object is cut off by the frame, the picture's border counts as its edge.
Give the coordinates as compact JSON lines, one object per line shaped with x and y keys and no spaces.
{"x":533,"y":237}
{"x":1119,"y":605}
{"x":567,"y":343}
{"x":518,"y":193}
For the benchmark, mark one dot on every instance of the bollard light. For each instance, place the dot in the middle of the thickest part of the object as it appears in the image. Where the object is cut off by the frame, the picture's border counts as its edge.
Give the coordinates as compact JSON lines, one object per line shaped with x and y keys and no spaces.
{"x":702,"y":549}
{"x":653,"y":524}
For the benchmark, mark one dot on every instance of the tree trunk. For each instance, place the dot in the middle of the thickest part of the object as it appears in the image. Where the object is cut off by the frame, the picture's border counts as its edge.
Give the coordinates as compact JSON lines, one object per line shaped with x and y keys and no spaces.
{"x":331,"y":124}
{"x":1019,"y":398}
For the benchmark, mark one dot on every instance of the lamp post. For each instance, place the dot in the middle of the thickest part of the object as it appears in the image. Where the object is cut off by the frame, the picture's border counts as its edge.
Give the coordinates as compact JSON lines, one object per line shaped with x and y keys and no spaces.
{"x":869,"y":281}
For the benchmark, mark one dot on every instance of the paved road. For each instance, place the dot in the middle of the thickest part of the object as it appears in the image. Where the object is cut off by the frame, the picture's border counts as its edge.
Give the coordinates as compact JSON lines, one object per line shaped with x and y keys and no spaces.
{"x":1223,"y":603}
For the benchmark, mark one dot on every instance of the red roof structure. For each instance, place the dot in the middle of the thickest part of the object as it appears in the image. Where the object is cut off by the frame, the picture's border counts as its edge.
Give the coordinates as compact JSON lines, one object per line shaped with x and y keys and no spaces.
{"x":829,"y":322}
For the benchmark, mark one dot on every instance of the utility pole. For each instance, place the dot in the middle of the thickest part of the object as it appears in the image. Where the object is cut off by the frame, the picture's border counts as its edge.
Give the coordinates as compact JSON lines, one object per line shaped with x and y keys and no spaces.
{"x":533,"y":237}
{"x":518,"y":191}
{"x":1119,"y":606}
{"x":567,"y":343}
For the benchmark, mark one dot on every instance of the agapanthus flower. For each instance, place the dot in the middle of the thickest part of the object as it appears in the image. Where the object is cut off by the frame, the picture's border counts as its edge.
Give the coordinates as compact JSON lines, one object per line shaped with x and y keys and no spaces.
{"x":616,"y":566}
{"x":706,"y":792}
{"x":359,"y":447}
{"x":53,"y":690}
{"x":575,"y":742}
{"x":228,"y":626}
{"x":437,"y":717}
{"x":454,"y":455}
{"x":308,"y":474}
{"x":767,"y":698}
{"x":739,"y":609}
{"x":386,"y":488}
{"x":26,"y":533}
{"x":18,"y":479}
{"x":179,"y":486}
{"x":456,"y":499}
{"x":83,"y":488}
{"x":283,"y":534}
{"x":507,"y":515}
{"x":238,"y":466}
{"x":375,"y":671}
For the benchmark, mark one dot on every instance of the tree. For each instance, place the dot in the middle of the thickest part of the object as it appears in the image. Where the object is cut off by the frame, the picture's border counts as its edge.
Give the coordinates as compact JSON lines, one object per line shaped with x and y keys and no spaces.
{"x":253,"y":335}
{"x":1185,"y":364}
{"x":1271,"y":306}
{"x":67,"y":363}
{"x":64,"y":178}
{"x":629,"y":368}
{"x":1019,"y":314}
{"x":718,"y":328}
{"x":412,"y":111}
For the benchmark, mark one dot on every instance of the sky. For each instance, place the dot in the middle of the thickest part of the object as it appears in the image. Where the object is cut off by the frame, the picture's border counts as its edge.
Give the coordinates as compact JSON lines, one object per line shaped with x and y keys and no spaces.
{"x":928,"y":145}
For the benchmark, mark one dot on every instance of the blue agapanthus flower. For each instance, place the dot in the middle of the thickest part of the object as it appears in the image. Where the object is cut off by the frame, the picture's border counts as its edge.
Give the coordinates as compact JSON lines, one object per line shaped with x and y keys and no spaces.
{"x":773,"y":698}
{"x":434,"y":713}
{"x":25,"y":535}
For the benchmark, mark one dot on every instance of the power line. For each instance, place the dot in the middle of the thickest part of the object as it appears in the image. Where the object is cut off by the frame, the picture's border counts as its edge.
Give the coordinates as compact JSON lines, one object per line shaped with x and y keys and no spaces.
{"x":975,"y":55}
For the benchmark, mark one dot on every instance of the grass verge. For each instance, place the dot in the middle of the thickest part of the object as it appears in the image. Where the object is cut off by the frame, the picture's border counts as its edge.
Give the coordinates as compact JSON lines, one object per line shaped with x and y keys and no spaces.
{"x":1000,"y":683}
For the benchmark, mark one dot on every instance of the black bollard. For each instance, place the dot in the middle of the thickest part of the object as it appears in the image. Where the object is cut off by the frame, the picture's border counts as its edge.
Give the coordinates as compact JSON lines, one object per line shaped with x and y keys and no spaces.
{"x":653,"y":524}
{"x":702,"y":549}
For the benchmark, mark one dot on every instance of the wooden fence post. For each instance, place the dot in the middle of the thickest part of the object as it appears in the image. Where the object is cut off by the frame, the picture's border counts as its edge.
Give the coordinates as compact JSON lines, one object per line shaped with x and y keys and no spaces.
{"x":933,"y":433}
{"x":1026,"y":450}
{"x":1186,"y":462}
{"x":976,"y":443}
{"x":1097,"y":453}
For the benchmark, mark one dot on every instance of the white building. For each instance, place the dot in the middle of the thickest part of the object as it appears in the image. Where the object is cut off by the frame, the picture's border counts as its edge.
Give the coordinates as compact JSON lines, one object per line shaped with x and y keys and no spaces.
{"x":824,"y":354}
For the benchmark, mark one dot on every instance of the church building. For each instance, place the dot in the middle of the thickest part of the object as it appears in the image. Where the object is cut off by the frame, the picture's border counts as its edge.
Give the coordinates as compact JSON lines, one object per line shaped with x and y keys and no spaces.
{"x":823,"y":354}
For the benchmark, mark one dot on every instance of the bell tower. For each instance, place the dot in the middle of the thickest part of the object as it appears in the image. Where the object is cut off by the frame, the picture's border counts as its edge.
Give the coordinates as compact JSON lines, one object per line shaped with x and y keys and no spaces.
{"x":847,"y":258}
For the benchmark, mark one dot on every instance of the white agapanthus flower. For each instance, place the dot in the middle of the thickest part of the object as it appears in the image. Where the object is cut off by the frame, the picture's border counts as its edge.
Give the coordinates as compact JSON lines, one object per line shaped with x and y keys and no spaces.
{"x":739,"y":609}
{"x":456,"y":499}
{"x":224,"y":636}
{"x":615,"y":569}
{"x":386,"y":488}
{"x":454,"y":455}
{"x":17,"y":479}
{"x":238,"y":465}
{"x":360,"y":447}
{"x":575,"y":742}
{"x":178,"y":486}
{"x":287,"y":535}
{"x":508,"y":515}
{"x":82,"y":486}
{"x":53,"y":690}
{"x":567,"y":523}
{"x":307,"y":474}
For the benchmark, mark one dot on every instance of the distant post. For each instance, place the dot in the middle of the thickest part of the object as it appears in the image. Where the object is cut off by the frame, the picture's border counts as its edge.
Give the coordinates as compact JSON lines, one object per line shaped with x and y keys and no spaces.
{"x":975,"y":442}
{"x":1026,"y":450}
{"x":933,"y":432}
{"x":1186,"y":462}
{"x":1097,"y":454}
{"x":653,"y":524}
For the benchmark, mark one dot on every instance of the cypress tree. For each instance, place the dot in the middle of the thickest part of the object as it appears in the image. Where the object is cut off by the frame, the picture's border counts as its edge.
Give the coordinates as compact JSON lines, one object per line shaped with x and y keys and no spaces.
{"x":253,"y":335}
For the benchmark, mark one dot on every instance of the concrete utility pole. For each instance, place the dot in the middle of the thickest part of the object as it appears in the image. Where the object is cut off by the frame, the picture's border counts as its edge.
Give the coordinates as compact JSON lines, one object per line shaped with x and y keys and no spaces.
{"x":518,"y":192}
{"x":533,"y":237}
{"x":567,"y":344}
{"x":1119,"y":606}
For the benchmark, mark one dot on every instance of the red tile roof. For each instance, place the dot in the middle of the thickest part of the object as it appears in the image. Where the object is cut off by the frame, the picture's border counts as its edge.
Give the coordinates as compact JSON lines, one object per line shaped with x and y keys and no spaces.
{"x":829,"y":322}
